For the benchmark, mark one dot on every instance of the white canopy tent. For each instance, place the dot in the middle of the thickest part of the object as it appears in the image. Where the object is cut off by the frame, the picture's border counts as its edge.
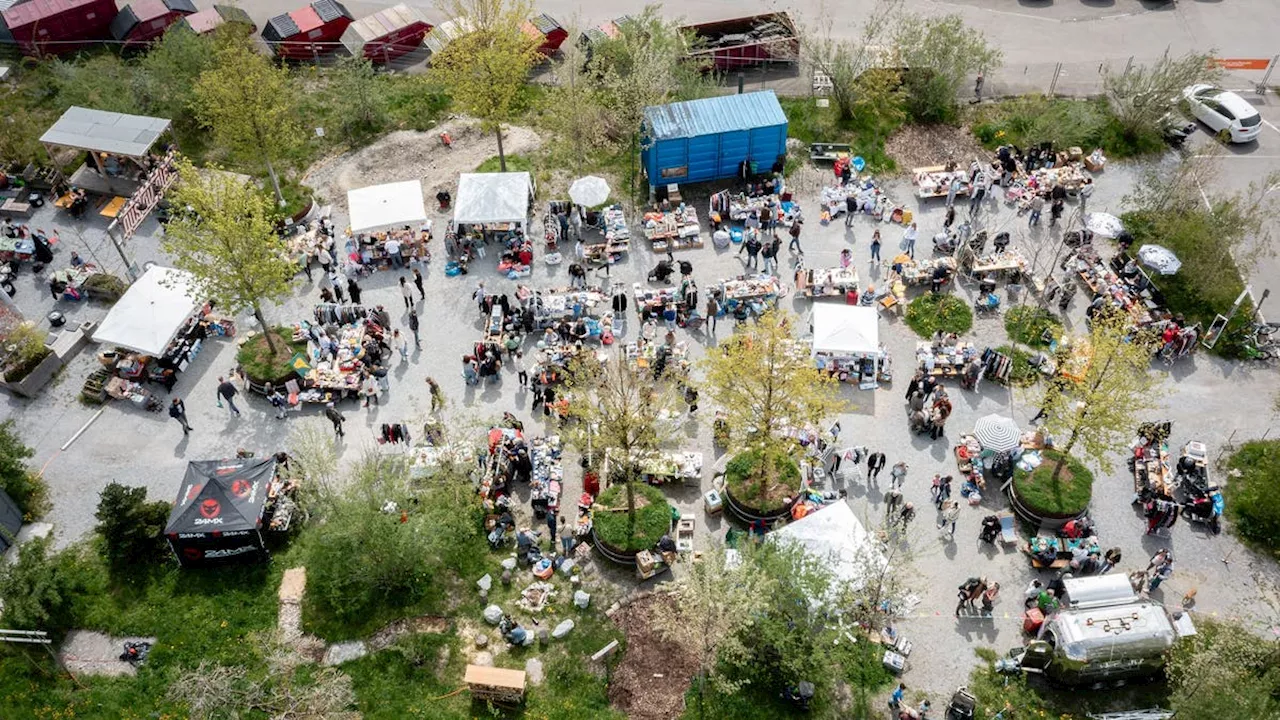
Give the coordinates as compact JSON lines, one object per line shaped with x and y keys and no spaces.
{"x":845,"y":329}
{"x":399,"y":203}
{"x":834,"y":536}
{"x":151,"y":312}
{"x":487,"y":198}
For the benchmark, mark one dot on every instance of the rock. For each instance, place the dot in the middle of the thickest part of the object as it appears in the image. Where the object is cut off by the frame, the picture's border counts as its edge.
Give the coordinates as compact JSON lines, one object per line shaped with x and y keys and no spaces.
{"x":562,"y":629}
{"x":506,"y":578}
{"x":533,"y":671}
{"x":485,"y":583}
{"x":581,"y":599}
{"x":509,"y":563}
{"x":611,"y":610}
{"x":339,"y":653}
{"x":482,"y":640}
{"x":493,"y":614}
{"x":544,"y":637}
{"x":482,"y":658}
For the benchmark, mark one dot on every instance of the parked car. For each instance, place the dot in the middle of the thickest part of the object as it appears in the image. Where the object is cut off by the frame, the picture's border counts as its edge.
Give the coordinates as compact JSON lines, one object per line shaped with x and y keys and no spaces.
{"x":1226,"y":113}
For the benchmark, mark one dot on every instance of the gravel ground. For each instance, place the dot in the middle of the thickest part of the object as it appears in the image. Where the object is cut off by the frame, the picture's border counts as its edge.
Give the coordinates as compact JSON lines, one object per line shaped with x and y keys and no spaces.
{"x":1207,"y":399}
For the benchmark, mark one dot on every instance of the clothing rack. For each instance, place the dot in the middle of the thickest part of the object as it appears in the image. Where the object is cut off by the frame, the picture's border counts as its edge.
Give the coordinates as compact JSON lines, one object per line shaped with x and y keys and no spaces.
{"x":996,"y":365}
{"x":334,"y":314}
{"x":393,"y":434}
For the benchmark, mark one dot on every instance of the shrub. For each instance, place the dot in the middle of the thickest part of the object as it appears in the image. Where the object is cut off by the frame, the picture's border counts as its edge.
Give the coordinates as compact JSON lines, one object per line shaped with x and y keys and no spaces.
{"x":26,"y":348}
{"x":932,"y":312}
{"x":26,"y":488}
{"x":1252,"y":502}
{"x":1033,"y":119}
{"x":1067,"y":496}
{"x":762,"y":482}
{"x":36,"y":591}
{"x":1027,"y":324}
{"x":652,"y":520}
{"x":131,"y":528}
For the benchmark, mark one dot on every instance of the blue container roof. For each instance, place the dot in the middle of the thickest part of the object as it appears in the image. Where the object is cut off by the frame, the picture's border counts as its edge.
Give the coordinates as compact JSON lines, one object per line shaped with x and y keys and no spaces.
{"x":712,"y":116}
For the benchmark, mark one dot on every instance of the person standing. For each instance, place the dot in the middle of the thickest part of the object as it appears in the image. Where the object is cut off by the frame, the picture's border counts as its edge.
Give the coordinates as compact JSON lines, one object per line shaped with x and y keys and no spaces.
{"x":794,"y":245}
{"x":909,"y":240}
{"x":770,"y":254}
{"x":413,"y":327}
{"x":399,"y":344}
{"x":950,"y":513}
{"x":875,"y":247}
{"x":978,"y":192}
{"x":934,"y":487}
{"x":895,"y":699}
{"x":406,"y":291}
{"x":335,"y":282}
{"x":566,"y":539}
{"x":551,"y":527}
{"x":227,"y":392}
{"x":875,"y":463}
{"x":892,"y":500}
{"x":392,"y":247}
{"x":353,"y":290}
{"x":437,"y":395}
{"x":989,"y":599}
{"x":178,"y":411}
{"x":752,"y":246}
{"x":417,"y":282}
{"x":336,"y":418}
{"x":952,"y":189}
{"x":522,"y":369}
{"x":1162,"y":572}
{"x":1110,"y":560}
{"x":370,"y":389}
{"x":897,"y":475}
{"x":277,"y":401}
{"x":1158,"y":559}
{"x":1037,"y":207}
{"x":850,"y":207}
{"x":325,"y":260}
{"x":713,"y":310}
{"x":691,"y":398}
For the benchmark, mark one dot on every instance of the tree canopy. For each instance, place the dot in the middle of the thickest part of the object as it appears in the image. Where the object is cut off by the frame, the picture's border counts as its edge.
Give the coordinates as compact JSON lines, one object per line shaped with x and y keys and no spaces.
{"x":226,"y":238}
{"x":1142,"y":95}
{"x":940,"y":53}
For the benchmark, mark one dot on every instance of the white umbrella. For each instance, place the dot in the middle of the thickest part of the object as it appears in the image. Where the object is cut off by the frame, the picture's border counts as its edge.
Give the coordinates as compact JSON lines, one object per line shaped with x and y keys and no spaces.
{"x":997,"y":433}
{"x":1159,"y":258}
{"x":589,"y":191}
{"x":1104,"y":224}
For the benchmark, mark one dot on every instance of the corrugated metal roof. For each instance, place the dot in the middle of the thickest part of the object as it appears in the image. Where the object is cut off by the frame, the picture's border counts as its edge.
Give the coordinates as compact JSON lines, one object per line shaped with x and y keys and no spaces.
{"x":330,"y":10}
{"x":712,"y":116}
{"x":102,"y":131}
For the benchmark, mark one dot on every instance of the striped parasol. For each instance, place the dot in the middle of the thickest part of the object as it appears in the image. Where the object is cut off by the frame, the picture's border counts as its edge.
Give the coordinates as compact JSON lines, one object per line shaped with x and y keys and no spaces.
{"x":997,"y":433}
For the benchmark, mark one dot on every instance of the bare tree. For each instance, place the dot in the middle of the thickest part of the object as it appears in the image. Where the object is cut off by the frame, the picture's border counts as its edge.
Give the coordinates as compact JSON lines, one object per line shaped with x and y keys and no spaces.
{"x":1142,"y":95}
{"x":843,"y":62}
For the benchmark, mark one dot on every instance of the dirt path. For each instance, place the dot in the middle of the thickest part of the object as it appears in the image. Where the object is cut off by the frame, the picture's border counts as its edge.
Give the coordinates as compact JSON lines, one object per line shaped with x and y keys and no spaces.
{"x":651,"y":680}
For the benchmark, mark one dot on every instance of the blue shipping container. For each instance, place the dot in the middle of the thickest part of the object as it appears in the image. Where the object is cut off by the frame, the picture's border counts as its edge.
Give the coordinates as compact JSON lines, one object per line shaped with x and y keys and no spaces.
{"x":703,"y":140}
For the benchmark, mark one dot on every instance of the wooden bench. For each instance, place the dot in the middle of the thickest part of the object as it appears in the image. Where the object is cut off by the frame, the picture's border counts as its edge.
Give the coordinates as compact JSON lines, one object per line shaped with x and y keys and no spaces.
{"x":15,"y":207}
{"x":112,"y":210}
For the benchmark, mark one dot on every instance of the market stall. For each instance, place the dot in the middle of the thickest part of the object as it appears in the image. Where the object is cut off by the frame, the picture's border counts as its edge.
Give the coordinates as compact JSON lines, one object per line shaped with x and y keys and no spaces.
{"x":651,"y":301}
{"x":661,"y":468}
{"x":835,"y":538}
{"x":337,"y":353}
{"x":748,"y":295}
{"x":935,"y":181}
{"x":1127,"y":286}
{"x":846,"y":344}
{"x":605,"y":234}
{"x":548,"y":475}
{"x":222,"y":508}
{"x":945,"y":358}
{"x":1153,"y":475}
{"x":761,"y":201}
{"x":563,"y":304}
{"x":834,"y":282}
{"x":493,"y":202}
{"x":656,"y":357}
{"x":674,"y":229}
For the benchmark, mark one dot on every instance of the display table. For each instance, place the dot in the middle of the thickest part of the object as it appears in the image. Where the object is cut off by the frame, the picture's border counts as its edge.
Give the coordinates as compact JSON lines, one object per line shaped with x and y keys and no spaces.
{"x":663,"y":467}
{"x":915,"y":272}
{"x":757,"y":293}
{"x":1101,"y":279}
{"x":935,"y":181}
{"x":826,"y":282}
{"x":644,"y":355}
{"x":673,"y":230}
{"x":548,"y":475}
{"x":615,"y":239}
{"x":134,"y":392}
{"x":1000,"y":262}
{"x":944,"y":361}
{"x":1152,"y":472}
{"x":652,"y":299}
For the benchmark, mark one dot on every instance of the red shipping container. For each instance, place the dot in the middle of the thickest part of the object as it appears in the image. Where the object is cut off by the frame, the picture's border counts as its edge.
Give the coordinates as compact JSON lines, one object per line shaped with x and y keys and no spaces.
{"x":142,"y":21}
{"x":42,"y":27}
{"x":309,"y":31}
{"x":388,"y":34}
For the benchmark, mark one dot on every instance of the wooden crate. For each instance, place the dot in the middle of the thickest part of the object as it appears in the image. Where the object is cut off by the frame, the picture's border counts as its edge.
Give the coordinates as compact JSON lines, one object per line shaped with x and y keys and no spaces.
{"x":496,"y":684}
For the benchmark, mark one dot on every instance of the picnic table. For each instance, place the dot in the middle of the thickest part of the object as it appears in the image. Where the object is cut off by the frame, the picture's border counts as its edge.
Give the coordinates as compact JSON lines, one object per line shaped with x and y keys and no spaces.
{"x":113,"y":208}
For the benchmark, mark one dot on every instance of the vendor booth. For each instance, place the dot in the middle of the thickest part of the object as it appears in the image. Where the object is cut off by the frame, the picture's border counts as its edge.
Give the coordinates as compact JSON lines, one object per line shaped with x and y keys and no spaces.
{"x":834,"y":537}
{"x":712,"y":138}
{"x":846,"y":343}
{"x":118,"y":147}
{"x":496,"y":201}
{"x":393,"y":212}
{"x":222,"y":508}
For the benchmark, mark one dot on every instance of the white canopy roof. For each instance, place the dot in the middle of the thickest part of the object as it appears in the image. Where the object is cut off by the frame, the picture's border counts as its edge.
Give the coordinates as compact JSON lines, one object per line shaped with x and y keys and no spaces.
{"x":151,"y":312}
{"x":493,"y":198}
{"x":834,"y":536}
{"x":845,"y":329}
{"x":398,"y":203}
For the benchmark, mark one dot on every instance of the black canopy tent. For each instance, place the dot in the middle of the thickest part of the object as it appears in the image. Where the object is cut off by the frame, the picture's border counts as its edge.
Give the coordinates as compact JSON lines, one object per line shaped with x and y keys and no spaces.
{"x":218,"y":516}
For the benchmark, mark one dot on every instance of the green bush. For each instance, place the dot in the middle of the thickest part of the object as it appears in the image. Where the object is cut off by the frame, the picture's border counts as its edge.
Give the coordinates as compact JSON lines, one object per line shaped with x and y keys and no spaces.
{"x":1026,"y":324}
{"x":130,"y":527}
{"x":760,"y":482}
{"x":23,"y":486}
{"x":1032,"y":119}
{"x":36,"y":590}
{"x":613,"y":526}
{"x":867,"y":134}
{"x":24,"y":349}
{"x":932,"y":312}
{"x":1022,"y":374}
{"x":1069,"y":495}
{"x":1253,"y":505}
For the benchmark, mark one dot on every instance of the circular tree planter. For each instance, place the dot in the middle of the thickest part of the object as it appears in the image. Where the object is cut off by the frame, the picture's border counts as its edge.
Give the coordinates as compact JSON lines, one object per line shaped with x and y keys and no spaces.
{"x":609,"y":532}
{"x":254,"y":357}
{"x":931,"y":312}
{"x":749,"y":502}
{"x":1036,"y":498}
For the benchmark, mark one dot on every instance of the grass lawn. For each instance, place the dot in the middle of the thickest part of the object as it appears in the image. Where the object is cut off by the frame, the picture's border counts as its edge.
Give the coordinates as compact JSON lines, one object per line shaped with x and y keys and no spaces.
{"x":1027,"y":324}
{"x":809,"y":123}
{"x":515,"y":163}
{"x":931,"y":312}
{"x":781,"y":481}
{"x":652,"y":519}
{"x":1252,"y":502}
{"x":261,"y":364}
{"x":1069,"y":495}
{"x":1033,"y":119}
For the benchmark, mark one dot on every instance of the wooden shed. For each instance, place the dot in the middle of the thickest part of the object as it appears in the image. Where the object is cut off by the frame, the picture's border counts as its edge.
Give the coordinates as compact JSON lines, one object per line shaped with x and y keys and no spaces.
{"x":548,"y":31}
{"x":142,"y":21}
{"x":42,"y":27}
{"x":307,"y":32}
{"x":387,"y":34}
{"x":496,"y":684}
{"x":206,"y":21}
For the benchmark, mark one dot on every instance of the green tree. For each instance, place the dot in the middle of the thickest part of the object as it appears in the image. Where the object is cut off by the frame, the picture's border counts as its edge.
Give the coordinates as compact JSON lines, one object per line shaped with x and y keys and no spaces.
{"x":247,"y":103}
{"x":226,"y":239}
{"x":940,"y":52}
{"x":1100,"y":410}
{"x":621,"y":413}
{"x":765,"y":382}
{"x":36,"y":591}
{"x":24,"y":487}
{"x":1141,"y":95}
{"x":1224,"y":670}
{"x":169,"y":72}
{"x":485,"y":70}
{"x":101,"y":82}
{"x":130,"y":527}
{"x":360,"y":96}
{"x":846,"y":62}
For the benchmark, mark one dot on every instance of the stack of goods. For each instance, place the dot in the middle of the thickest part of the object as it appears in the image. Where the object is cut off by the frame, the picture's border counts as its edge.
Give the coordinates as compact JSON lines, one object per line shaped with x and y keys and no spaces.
{"x":936,"y":181}
{"x":750,"y":294}
{"x":548,"y":475}
{"x":834,"y":198}
{"x":826,"y":282}
{"x":1102,"y":280}
{"x":967,"y":452}
{"x":943,"y":359}
{"x":673,"y":230}
{"x":552,"y":306}
{"x":335,"y":367}
{"x":916,"y":272}
{"x":652,"y":299}
{"x":1069,"y":176}
{"x":670,"y":467}
{"x":371,"y":252}
{"x":1000,"y":262}
{"x":659,"y":357}
{"x":426,"y":459}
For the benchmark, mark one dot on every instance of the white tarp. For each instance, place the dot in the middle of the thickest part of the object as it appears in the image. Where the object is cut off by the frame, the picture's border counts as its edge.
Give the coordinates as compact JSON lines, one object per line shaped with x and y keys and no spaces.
{"x":834,"y":536}
{"x":493,"y":198}
{"x":378,"y":206}
{"x":845,"y":329}
{"x":151,"y":312}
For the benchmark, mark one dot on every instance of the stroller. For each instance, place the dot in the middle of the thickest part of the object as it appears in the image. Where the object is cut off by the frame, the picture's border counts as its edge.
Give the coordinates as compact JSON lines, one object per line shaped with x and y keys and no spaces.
{"x":987,"y":303}
{"x":990,"y":529}
{"x":661,"y":272}
{"x":962,"y":705}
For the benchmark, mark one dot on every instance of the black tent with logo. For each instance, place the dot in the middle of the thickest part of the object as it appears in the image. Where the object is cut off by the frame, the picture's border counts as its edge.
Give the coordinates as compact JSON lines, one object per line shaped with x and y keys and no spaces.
{"x":217,"y":517}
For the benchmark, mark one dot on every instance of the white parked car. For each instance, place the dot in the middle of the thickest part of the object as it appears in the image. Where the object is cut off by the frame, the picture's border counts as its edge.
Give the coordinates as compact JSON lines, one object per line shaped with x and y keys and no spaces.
{"x":1226,"y":113}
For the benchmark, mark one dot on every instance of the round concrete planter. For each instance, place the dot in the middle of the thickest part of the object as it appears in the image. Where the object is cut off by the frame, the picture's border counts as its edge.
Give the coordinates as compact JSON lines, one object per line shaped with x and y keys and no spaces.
{"x":614,"y":554}
{"x":1045,"y":522}
{"x":749,"y":514}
